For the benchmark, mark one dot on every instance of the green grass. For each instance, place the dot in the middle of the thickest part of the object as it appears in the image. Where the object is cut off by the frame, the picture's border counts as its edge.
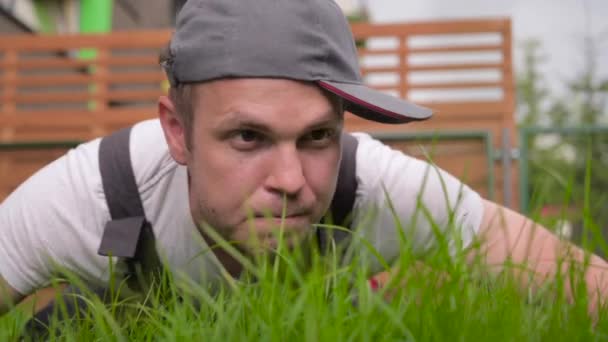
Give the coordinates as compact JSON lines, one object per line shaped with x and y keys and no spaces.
{"x":310,"y":297}
{"x":305,"y":295}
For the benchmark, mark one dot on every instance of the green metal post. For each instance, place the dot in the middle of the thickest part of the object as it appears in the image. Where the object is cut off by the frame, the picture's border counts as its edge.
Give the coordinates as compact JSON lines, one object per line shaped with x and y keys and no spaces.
{"x":524,"y":163}
{"x":95,"y":17}
{"x":524,"y":195}
{"x":487,"y":136}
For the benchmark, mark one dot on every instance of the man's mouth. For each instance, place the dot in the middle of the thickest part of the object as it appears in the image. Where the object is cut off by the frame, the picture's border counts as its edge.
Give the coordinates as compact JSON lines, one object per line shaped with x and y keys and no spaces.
{"x":268,"y":228}
{"x":280,"y":214}
{"x":275,"y":222}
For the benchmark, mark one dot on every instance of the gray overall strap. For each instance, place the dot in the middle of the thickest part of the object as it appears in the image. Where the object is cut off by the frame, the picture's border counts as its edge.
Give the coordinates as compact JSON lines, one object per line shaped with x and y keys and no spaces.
{"x":128,"y":235}
{"x":344,"y":198}
{"x":117,"y":175}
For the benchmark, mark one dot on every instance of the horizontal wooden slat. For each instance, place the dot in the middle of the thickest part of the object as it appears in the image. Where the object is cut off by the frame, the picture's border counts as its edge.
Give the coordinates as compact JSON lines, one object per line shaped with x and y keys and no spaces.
{"x":118,"y":39}
{"x":31,"y":64}
{"x":77,"y":117}
{"x":376,"y":52}
{"x":383,"y":70}
{"x":83,"y":96}
{"x":432,"y":67}
{"x":455,"y":66}
{"x":134,"y":95}
{"x":133,"y":77}
{"x":148,"y":60}
{"x":50,"y":97}
{"x":46,"y":63}
{"x":364,"y":30}
{"x":431,"y":49}
{"x":385,"y":87}
{"x":457,"y":85}
{"x":457,"y":48}
{"x":48,"y":80}
{"x":82,"y":79}
{"x":477,"y":108}
{"x":442,"y":85}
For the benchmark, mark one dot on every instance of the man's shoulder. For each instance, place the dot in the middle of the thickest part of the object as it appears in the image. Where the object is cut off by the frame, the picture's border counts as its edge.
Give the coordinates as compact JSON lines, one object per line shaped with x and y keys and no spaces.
{"x":374,"y":158}
{"x":150,"y":157}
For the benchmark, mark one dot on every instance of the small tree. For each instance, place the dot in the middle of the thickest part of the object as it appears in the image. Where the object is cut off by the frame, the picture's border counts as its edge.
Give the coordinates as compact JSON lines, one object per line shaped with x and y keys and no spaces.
{"x":571,"y":169}
{"x":531,"y":92}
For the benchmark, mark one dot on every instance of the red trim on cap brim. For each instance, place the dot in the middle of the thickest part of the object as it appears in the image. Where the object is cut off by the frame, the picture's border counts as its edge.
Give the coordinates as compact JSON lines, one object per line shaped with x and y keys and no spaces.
{"x":401,"y":117}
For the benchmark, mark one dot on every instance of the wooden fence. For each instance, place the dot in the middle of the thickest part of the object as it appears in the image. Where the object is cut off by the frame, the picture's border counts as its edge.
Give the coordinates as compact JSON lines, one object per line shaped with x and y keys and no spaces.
{"x":51,"y":94}
{"x":463,"y":70}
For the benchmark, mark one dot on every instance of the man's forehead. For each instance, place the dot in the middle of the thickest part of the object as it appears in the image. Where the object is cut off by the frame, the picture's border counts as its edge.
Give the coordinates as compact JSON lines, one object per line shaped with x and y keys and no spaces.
{"x":261,"y":118}
{"x":257,"y":84}
{"x":279,"y":107}
{"x":257,"y":94}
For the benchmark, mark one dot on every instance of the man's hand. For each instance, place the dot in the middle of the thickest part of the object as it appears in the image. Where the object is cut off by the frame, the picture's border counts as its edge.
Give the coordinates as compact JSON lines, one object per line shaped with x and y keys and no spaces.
{"x":30,"y":304}
{"x":507,"y":235}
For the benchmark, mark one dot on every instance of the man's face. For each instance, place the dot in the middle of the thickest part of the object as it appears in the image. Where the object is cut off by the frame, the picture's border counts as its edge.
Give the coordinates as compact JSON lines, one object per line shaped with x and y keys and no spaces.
{"x":260,"y":146}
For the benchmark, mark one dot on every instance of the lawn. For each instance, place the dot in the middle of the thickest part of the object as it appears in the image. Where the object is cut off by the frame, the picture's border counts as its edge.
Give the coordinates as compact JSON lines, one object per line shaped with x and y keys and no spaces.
{"x":296,"y":296}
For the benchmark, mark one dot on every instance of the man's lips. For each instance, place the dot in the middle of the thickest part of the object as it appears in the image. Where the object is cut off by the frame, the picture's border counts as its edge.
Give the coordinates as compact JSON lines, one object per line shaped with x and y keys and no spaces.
{"x":279,"y":214}
{"x":266,"y":230}
{"x":270,"y":225}
{"x":291,"y":220}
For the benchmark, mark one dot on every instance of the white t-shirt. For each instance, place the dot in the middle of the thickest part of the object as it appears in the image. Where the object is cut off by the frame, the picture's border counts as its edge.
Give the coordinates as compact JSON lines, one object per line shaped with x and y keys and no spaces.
{"x":57,"y":216}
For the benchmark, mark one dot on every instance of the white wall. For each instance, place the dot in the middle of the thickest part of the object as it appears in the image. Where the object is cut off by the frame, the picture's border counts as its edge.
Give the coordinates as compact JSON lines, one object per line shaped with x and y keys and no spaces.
{"x":559,"y":24}
{"x":22,"y":10}
{"x":349,"y":6}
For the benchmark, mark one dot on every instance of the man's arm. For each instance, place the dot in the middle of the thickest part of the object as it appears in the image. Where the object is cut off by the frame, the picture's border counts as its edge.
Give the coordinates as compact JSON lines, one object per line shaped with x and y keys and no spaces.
{"x":8,"y":296}
{"x":507,"y":235}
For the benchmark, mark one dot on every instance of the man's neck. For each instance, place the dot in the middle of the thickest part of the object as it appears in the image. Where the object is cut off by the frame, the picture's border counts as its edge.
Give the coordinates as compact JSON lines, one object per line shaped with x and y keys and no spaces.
{"x":232,"y":266}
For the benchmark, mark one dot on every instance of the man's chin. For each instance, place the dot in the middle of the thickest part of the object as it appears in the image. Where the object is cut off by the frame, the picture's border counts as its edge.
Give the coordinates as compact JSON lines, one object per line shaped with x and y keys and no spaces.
{"x":271,"y":244}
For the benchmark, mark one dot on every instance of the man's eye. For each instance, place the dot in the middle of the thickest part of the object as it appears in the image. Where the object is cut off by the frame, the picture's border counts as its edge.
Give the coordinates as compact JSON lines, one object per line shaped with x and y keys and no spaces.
{"x":246,"y":139}
{"x":319,"y":137}
{"x":249,"y":135}
{"x":320,"y":134}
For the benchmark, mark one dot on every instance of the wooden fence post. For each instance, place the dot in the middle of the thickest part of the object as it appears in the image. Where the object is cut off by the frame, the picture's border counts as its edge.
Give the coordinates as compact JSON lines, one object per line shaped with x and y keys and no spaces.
{"x":403,"y":66}
{"x":9,"y":93}
{"x":99,"y":93}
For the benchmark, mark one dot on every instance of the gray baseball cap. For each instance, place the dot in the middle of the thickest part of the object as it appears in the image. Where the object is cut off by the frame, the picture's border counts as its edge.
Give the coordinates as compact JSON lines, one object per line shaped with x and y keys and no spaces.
{"x":305,"y":40}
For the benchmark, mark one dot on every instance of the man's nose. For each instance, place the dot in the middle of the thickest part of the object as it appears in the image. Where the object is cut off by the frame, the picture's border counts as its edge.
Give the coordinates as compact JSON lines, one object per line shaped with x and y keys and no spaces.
{"x":287,"y":173}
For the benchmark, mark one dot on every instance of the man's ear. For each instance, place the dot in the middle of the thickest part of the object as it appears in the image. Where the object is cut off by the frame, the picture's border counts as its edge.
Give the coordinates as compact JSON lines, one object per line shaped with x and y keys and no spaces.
{"x":174,"y":129}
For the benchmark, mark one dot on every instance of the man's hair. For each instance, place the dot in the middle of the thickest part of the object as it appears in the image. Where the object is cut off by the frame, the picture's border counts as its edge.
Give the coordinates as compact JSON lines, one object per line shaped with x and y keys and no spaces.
{"x":181,"y":96}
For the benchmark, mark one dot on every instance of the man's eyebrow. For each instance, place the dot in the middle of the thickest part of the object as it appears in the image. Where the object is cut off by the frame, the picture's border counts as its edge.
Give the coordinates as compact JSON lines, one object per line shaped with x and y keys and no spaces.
{"x":250,"y":120}
{"x":240,"y":119}
{"x":329,"y":117}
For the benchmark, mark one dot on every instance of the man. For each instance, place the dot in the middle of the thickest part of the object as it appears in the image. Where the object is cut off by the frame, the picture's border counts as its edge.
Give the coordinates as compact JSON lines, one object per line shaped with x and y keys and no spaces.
{"x":250,"y":138}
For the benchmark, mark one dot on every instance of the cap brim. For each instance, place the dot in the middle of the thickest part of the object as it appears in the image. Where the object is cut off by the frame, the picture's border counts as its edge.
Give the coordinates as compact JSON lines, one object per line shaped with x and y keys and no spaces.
{"x":375,"y":105}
